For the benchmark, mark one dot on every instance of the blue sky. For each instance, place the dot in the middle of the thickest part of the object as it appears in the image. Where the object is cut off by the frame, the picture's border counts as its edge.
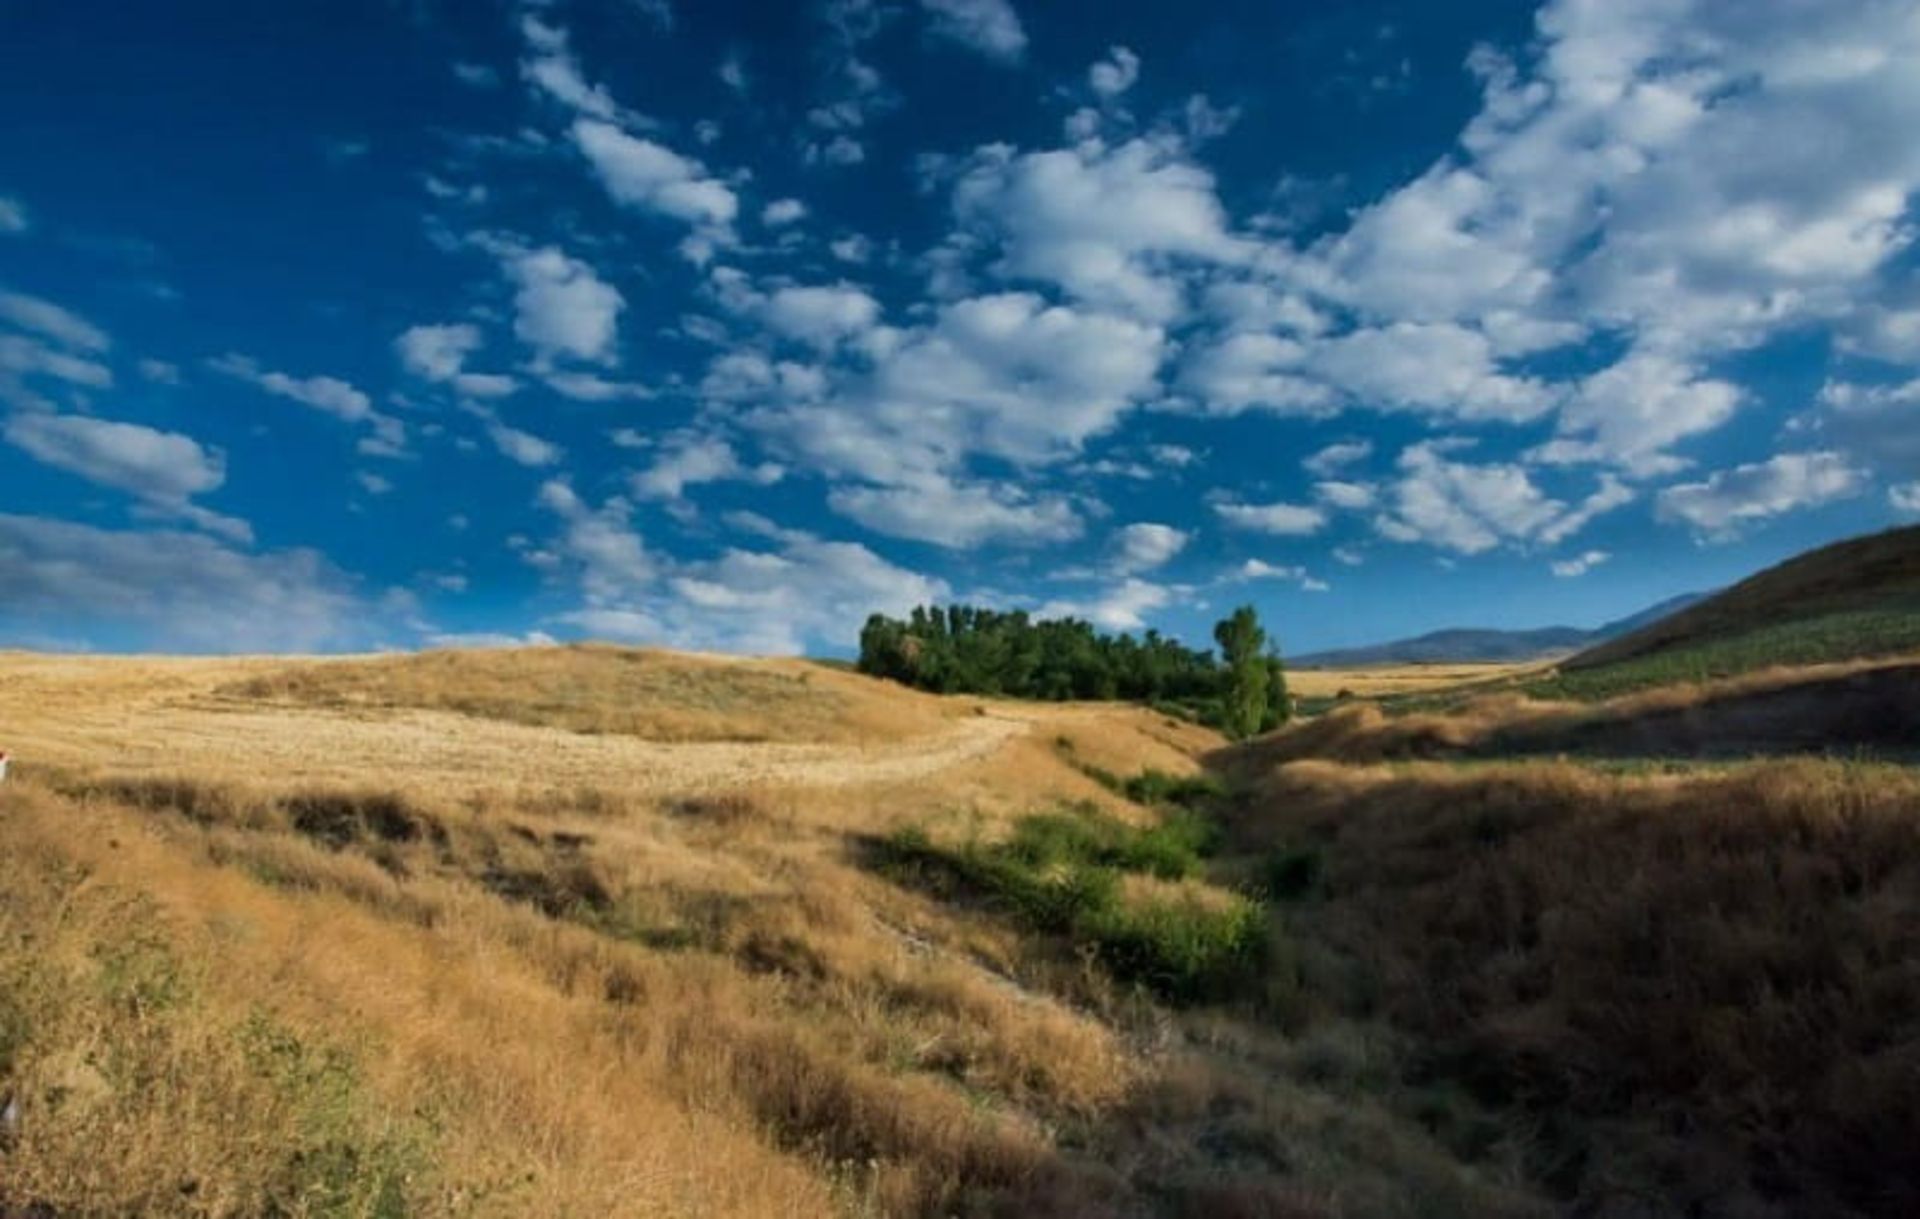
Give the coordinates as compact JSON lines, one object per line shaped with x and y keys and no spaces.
{"x":389,"y":323}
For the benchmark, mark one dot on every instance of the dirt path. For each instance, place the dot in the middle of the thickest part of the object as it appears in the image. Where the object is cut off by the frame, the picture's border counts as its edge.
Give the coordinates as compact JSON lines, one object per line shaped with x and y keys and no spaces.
{"x":156,"y":716}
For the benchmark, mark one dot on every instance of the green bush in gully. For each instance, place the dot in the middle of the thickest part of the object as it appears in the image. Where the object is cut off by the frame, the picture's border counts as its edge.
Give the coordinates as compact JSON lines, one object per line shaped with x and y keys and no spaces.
{"x":1060,"y":873}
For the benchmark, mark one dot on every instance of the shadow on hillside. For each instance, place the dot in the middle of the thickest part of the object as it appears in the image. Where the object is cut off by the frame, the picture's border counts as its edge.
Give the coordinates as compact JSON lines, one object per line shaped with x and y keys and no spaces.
{"x":1874,"y":710}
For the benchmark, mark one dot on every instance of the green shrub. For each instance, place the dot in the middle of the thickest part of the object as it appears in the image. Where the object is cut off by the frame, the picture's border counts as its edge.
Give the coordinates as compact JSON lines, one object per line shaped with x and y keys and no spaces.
{"x":1183,"y":950}
{"x":1060,"y":873}
{"x":1295,"y":872}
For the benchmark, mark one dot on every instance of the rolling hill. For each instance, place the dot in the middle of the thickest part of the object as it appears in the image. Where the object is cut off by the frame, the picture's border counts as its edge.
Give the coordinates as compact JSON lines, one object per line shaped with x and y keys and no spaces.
{"x":1853,"y":600}
{"x":1457,"y":645}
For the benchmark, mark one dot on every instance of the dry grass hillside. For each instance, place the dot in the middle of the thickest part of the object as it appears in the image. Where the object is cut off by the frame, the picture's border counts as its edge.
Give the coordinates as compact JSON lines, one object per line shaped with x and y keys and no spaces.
{"x":413,"y":936}
{"x":1851,"y":600}
{"x":596,"y":932}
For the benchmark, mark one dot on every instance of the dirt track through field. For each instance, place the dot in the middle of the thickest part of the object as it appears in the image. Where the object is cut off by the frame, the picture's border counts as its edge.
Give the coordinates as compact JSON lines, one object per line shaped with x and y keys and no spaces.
{"x":160,"y":717}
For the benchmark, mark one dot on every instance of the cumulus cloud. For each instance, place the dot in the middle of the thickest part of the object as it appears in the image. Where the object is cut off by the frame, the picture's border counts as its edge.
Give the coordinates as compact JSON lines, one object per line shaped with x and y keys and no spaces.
{"x":1336,"y":457}
{"x":1472,"y":508}
{"x":1283,"y":520}
{"x":642,"y":174}
{"x":782,"y":212}
{"x":552,"y":67}
{"x":804,"y":593}
{"x":688,"y":459}
{"x":1121,"y":608}
{"x":1259,"y":569}
{"x":171,"y":591}
{"x":1146,"y":545}
{"x":1876,"y":425}
{"x":562,"y":308}
{"x":523,"y":448}
{"x":1114,"y":75}
{"x":1720,"y":506}
{"x":991,"y":27}
{"x":959,"y":515}
{"x":45,"y":318}
{"x":328,"y":395}
{"x":1106,"y":225}
{"x":820,"y":315}
{"x":163,"y":470}
{"x":1349,"y":495}
{"x":1579,"y":565}
{"x":437,"y":353}
{"x":1905,"y":497}
{"x":1006,"y":375}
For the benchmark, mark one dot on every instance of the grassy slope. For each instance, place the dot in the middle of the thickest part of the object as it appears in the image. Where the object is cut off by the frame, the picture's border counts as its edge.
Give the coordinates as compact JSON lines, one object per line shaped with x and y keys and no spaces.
{"x":1851,"y":600}
{"x":1680,"y":996}
{"x":437,"y":998}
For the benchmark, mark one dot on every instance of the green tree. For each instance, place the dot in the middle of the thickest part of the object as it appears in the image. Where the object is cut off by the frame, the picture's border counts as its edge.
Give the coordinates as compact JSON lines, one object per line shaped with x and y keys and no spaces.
{"x":1243,"y":697}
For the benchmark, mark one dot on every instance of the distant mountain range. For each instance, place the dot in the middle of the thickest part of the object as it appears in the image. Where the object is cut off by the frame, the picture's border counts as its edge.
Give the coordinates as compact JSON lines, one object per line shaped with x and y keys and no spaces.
{"x":1460,"y":645}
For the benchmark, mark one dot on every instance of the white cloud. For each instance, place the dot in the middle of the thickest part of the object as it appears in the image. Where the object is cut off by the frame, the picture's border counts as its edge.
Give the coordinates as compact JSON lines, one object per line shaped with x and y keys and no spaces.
{"x":1121,"y":608}
{"x":524,"y":447}
{"x":562,"y":307}
{"x":1579,"y":565}
{"x":1905,"y":497}
{"x":1007,"y":376}
{"x":806,"y":592}
{"x":931,"y":508}
{"x":13,"y":215}
{"x":551,"y":67}
{"x":782,"y":212}
{"x":164,"y":470}
{"x":1470,"y":508}
{"x":1637,"y":407}
{"x":642,"y":174}
{"x":1876,"y":425}
{"x":1114,"y":75}
{"x":160,"y":372}
{"x":1438,"y":368}
{"x":1349,"y":495}
{"x":1729,"y":499}
{"x":821,"y":316}
{"x":991,"y":27}
{"x":1337,"y":457}
{"x":1104,"y":224}
{"x":586,"y":387}
{"x":329,"y":395}
{"x":687,"y":459}
{"x":437,"y":353}
{"x":1283,"y":520}
{"x":45,"y":318}
{"x":1146,"y":545}
{"x":171,"y":591}
{"x":1258,"y":569}
{"x":21,"y":356}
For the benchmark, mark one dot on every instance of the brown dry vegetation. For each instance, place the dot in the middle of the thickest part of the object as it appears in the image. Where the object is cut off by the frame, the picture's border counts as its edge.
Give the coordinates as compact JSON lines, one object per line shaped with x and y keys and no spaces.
{"x":1826,"y":708}
{"x":370,"y":959}
{"x":659,"y":696}
{"x":292,"y":942}
{"x":1695,"y":996}
{"x":1387,"y":681}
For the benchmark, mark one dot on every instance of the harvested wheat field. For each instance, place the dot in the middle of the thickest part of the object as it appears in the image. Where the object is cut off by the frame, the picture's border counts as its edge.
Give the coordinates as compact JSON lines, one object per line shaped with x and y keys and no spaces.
{"x":649,"y":934}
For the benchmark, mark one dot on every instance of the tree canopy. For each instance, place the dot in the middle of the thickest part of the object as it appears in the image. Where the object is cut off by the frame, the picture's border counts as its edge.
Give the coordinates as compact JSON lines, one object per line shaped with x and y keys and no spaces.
{"x":962,"y":649}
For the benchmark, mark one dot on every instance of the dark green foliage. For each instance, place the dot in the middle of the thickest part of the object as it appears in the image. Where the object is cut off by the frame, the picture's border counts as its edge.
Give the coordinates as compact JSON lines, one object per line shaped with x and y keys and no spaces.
{"x":1295,"y":872}
{"x":1060,"y":872}
{"x":965,"y":650}
{"x":1243,"y":697}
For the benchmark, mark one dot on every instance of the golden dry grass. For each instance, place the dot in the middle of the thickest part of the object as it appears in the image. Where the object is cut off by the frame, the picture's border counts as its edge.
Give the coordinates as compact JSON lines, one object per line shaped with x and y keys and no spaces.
{"x":437,"y":943}
{"x":1385,"y":681}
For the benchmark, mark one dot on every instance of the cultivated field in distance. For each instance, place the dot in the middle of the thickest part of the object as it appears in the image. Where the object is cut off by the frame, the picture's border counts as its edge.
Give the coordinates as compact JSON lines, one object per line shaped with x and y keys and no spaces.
{"x":597,"y":931}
